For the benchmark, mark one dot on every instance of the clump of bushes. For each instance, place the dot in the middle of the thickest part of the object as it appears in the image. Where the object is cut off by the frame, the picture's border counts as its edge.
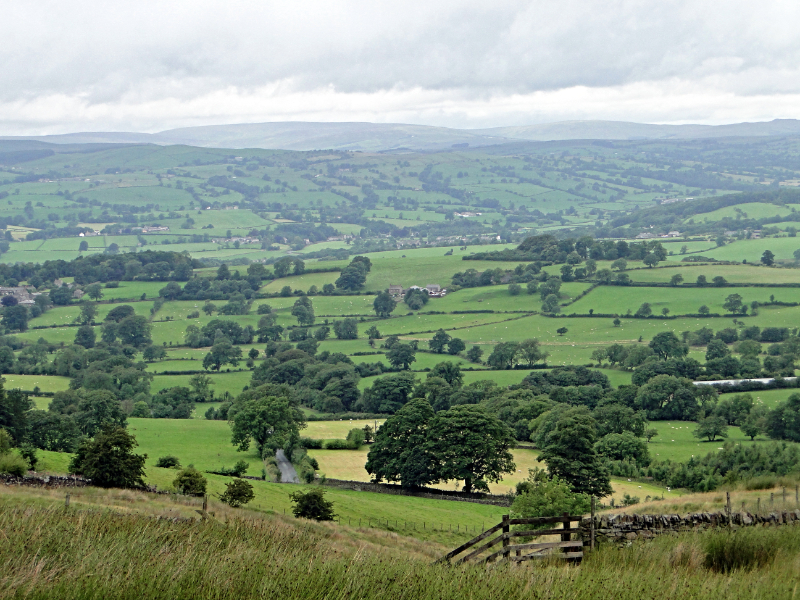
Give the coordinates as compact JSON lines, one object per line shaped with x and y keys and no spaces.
{"x":312,"y":505}
{"x":13,"y":464}
{"x":310,"y":443}
{"x":168,"y":462}
{"x":239,"y":469}
{"x":190,"y":482}
{"x":338,"y":445}
{"x":305,"y":465}
{"x":237,"y":493}
{"x":271,"y":470}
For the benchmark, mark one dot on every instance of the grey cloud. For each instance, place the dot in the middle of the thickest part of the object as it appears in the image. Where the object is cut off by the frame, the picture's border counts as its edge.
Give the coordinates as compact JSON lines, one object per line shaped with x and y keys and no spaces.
{"x":139,"y":52}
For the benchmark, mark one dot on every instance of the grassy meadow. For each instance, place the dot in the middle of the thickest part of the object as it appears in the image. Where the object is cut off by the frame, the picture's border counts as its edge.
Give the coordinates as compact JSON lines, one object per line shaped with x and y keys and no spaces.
{"x":125,"y":553}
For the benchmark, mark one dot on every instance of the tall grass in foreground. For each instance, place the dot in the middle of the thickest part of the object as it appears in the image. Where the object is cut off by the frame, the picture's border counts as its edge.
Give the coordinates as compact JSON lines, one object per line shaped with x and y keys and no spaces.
{"x":60,"y":553}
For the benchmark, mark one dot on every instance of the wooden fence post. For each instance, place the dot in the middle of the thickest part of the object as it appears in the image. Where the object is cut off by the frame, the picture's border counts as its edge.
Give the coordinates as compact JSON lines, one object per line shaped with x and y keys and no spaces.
{"x":506,"y":541}
{"x":591,"y":528}
{"x":758,"y":505}
{"x":797,"y":495}
{"x":784,"y":496}
{"x":205,"y":503}
{"x":66,"y":502}
{"x":728,"y":507}
{"x":565,"y":536}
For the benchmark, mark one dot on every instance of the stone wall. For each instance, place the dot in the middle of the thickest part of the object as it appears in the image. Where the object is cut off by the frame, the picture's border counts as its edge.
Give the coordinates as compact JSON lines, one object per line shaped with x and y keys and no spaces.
{"x":624,"y":527}
{"x":387,"y":488}
{"x":48,"y":481}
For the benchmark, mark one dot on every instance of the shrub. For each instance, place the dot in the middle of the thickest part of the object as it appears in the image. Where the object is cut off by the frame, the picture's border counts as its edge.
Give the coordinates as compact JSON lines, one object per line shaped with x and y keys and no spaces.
{"x":193,"y":315}
{"x":541,"y":495}
{"x":6,"y":441}
{"x":28,"y":453}
{"x":13,"y":464}
{"x":168,"y":462}
{"x":190,"y":482}
{"x":312,"y":505}
{"x":237,"y":493}
{"x":108,"y":460}
{"x":338,"y":445}
{"x":763,"y":482}
{"x":310,"y":443}
{"x":239,"y":469}
{"x":356,"y":437}
{"x":305,"y":465}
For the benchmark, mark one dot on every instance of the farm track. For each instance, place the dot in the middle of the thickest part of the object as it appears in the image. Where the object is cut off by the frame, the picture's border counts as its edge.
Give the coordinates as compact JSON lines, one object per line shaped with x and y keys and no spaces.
{"x":288,"y":472}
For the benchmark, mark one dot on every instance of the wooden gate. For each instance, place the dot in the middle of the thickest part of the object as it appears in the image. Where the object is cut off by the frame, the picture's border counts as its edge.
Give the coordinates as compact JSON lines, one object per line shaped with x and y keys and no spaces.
{"x":566,"y":548}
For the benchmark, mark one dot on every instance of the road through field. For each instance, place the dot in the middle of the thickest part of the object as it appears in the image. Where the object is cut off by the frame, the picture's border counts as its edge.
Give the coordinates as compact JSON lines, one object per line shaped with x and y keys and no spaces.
{"x":288,"y":474}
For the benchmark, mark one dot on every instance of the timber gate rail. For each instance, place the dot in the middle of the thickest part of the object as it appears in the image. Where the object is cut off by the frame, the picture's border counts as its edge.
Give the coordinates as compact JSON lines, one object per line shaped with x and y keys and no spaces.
{"x":567,"y":548}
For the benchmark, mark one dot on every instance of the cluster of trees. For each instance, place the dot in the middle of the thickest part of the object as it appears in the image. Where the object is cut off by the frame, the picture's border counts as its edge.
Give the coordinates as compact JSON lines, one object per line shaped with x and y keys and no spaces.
{"x":15,"y":316}
{"x":573,"y":251}
{"x":141,"y":266}
{"x":323,"y":381}
{"x":354,"y":276}
{"x":507,"y":355}
{"x":442,"y":342}
{"x":225,"y":286}
{"x":198,"y":337}
{"x":732,"y":464}
{"x":666,"y":354}
{"x":419,"y":447}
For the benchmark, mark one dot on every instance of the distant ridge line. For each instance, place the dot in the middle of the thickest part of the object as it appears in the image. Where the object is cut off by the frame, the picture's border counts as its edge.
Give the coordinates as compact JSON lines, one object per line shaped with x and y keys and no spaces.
{"x":381,"y":137}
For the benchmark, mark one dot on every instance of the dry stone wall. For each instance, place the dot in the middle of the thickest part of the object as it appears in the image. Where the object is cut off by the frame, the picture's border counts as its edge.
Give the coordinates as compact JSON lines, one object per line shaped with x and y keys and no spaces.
{"x":387,"y":488}
{"x":47,"y":481}
{"x":626,"y":528}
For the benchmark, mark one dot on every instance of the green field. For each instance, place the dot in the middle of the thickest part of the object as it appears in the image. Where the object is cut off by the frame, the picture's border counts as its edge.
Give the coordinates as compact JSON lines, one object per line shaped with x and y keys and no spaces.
{"x":679,"y":301}
{"x":748,"y":209}
{"x":749,"y":273}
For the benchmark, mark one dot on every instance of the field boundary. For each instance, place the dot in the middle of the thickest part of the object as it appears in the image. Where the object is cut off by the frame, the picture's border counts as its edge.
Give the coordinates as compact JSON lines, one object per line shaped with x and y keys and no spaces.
{"x":434,"y":494}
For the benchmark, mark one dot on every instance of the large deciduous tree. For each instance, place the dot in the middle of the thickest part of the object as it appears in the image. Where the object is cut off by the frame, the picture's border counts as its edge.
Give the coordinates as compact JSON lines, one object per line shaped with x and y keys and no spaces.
{"x":108,"y":460}
{"x":384,"y":304}
{"x":388,"y":394}
{"x":439,"y":341}
{"x":570,"y":454}
{"x":504,"y":355}
{"x":400,"y":356}
{"x":15,"y":318}
{"x":530,"y":351}
{"x":222,"y":353}
{"x":346,"y":329}
{"x":399,"y":452}
{"x":269,"y":421}
{"x":667,"y":345}
{"x":134,"y":331}
{"x":472,"y":445}
{"x":303,"y":311}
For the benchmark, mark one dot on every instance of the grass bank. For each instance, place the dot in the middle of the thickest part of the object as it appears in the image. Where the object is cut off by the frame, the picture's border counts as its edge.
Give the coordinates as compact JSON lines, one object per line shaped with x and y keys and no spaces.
{"x":57,"y":553}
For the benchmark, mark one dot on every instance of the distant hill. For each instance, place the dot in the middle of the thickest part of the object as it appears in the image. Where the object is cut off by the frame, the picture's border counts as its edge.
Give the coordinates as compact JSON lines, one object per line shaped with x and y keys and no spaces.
{"x":621,"y":130}
{"x":381,"y":137}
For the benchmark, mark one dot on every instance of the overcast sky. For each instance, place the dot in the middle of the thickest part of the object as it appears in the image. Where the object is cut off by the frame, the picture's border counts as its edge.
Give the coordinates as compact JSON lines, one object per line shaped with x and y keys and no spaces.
{"x":148,"y":66}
